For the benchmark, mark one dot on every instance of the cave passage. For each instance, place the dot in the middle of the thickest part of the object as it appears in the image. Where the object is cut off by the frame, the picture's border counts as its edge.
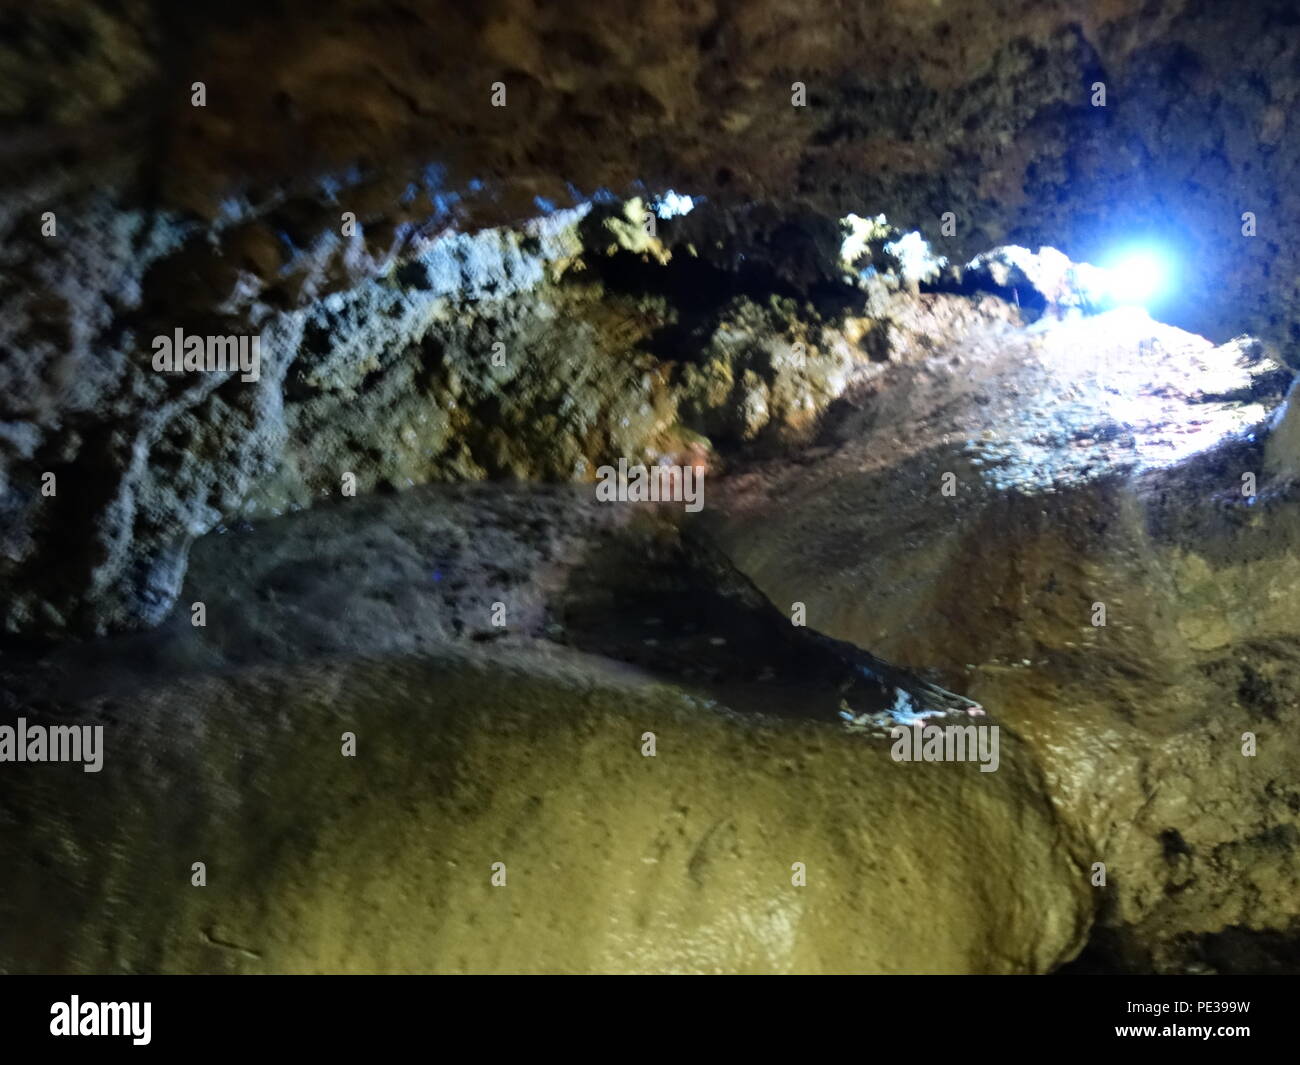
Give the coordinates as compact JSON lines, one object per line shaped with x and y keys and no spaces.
{"x":557,"y":489}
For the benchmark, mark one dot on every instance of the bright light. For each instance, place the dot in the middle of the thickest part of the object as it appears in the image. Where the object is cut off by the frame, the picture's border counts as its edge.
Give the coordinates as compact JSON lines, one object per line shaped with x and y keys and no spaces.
{"x":671,"y":204}
{"x":1135,"y":277}
{"x":915,"y":259}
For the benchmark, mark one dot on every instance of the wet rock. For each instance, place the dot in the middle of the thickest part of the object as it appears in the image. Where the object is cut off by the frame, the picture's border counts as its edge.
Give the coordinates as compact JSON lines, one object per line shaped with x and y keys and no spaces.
{"x":235,"y":216}
{"x":1120,"y":609}
{"x":612,"y":861}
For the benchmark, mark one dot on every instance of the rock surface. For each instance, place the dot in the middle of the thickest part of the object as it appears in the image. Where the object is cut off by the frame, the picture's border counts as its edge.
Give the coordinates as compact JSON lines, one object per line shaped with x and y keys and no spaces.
{"x":614,"y":862}
{"x":1120,"y":598}
{"x":450,"y":290}
{"x":303,"y":202}
{"x":475,"y":746}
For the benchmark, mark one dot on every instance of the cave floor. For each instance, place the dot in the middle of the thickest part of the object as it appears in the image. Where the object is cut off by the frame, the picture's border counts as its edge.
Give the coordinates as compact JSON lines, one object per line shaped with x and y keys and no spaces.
{"x":1123,"y":735}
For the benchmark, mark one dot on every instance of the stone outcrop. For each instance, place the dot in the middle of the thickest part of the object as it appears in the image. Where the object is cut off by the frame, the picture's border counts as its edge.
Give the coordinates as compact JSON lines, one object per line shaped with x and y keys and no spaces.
{"x":613,"y":862}
{"x":1126,"y":609}
{"x":336,"y":141}
{"x":747,"y":842}
{"x":463,"y":239}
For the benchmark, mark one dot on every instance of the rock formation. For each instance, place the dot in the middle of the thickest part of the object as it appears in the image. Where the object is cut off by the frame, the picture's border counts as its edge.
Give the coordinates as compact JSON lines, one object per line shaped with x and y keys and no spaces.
{"x":487,"y":250}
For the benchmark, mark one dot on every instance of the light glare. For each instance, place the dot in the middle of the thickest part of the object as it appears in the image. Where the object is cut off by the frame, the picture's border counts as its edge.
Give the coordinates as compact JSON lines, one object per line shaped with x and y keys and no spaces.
{"x":1136,"y":277}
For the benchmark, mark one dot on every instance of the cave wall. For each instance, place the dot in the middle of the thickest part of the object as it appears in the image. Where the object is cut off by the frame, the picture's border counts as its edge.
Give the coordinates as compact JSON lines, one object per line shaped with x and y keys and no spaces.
{"x":227,"y":217}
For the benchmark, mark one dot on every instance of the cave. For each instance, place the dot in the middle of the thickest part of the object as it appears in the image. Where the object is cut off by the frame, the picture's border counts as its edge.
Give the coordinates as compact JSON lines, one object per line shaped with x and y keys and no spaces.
{"x":518,"y":488}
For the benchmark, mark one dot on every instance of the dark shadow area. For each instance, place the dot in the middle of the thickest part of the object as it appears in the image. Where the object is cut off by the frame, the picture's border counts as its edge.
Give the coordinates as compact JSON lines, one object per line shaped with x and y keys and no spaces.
{"x":678,"y":609}
{"x":1234,"y":951}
